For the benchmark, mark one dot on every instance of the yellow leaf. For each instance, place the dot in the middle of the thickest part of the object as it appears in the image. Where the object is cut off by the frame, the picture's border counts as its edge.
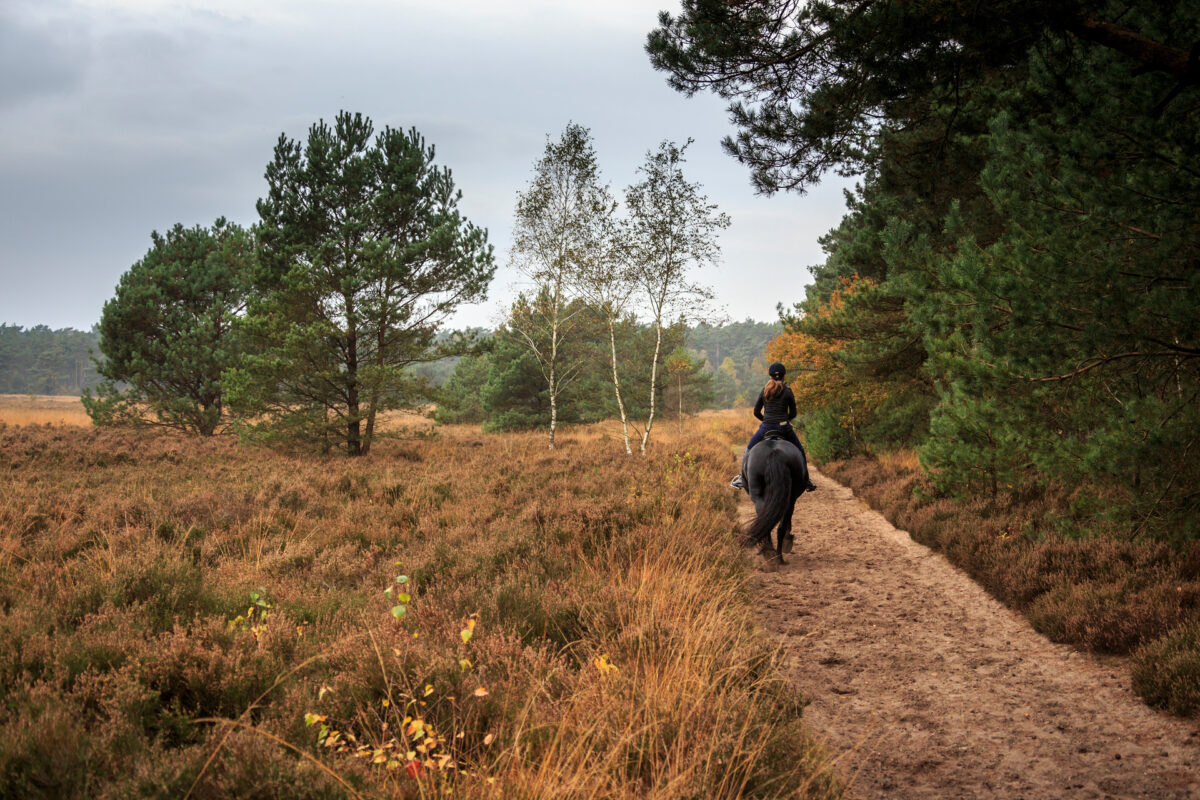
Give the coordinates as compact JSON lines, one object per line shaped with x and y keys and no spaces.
{"x":481,"y":692}
{"x":491,"y":737}
{"x":428,"y":690}
{"x":603,"y":664}
{"x":466,"y":635}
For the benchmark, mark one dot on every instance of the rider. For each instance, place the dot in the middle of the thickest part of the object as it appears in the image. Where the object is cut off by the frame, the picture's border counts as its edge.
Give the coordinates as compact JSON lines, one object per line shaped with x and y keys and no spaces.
{"x":776,"y":407}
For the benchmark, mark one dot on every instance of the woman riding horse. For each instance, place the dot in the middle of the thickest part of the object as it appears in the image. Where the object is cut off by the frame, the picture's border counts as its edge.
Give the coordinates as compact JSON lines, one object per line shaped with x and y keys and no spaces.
{"x":776,"y":408}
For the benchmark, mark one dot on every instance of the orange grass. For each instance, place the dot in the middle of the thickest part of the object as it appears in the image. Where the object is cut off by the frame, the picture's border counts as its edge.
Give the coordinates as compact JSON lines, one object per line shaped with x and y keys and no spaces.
{"x":41,"y":409}
{"x":185,"y":616}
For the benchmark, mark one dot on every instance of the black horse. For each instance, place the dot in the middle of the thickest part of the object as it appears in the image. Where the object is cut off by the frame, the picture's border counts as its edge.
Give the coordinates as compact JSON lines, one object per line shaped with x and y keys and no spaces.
{"x":775,"y":474}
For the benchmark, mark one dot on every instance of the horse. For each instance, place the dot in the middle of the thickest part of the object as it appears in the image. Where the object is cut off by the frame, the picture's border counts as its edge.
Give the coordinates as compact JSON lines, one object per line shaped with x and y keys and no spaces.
{"x":775,"y":474}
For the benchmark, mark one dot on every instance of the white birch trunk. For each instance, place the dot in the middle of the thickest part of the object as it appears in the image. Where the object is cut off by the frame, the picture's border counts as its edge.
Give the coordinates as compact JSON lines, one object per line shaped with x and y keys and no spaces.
{"x":554,"y":368}
{"x":612,"y":340}
{"x":653,"y":383}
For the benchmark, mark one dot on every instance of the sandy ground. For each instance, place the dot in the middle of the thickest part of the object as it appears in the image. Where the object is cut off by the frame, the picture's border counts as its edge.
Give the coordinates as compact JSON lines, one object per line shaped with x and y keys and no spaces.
{"x":929,"y":688}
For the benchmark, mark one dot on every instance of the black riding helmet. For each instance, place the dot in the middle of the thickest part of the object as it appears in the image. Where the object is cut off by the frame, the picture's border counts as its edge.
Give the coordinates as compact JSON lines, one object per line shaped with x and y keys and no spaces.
{"x":776,"y":371}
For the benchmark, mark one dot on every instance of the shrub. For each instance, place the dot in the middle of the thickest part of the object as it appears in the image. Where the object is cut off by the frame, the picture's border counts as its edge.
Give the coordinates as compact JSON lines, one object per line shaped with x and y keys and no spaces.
{"x":1166,"y":671}
{"x":826,"y":437}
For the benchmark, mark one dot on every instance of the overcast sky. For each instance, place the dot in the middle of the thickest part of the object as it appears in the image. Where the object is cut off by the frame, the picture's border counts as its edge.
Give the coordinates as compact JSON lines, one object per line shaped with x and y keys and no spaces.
{"x":120,"y":117}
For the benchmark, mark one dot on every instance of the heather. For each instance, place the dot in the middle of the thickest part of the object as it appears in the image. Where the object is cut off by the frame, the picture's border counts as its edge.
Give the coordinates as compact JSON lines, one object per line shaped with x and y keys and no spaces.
{"x":451,"y":614}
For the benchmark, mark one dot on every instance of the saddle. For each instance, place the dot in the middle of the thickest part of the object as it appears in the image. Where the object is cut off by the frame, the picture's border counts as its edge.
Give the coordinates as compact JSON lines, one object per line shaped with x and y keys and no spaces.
{"x":773,"y":435}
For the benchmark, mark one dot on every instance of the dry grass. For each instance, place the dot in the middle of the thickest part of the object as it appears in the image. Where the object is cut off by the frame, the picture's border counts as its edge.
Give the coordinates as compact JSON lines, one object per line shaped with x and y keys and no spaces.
{"x":1098,"y":588}
{"x":42,"y":409}
{"x":580,"y":622}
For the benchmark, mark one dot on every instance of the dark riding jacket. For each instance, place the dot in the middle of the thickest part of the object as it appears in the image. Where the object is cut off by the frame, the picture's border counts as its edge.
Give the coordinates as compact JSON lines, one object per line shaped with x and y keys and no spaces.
{"x":779,"y":409}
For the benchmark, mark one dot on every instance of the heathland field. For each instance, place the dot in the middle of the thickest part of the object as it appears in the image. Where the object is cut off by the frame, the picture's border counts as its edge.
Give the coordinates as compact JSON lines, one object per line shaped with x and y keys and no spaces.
{"x":41,"y":409}
{"x":450,"y":615}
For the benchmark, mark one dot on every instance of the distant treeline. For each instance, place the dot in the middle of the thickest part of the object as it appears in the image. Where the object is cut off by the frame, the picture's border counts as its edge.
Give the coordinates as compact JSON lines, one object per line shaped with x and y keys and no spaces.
{"x":40,"y":360}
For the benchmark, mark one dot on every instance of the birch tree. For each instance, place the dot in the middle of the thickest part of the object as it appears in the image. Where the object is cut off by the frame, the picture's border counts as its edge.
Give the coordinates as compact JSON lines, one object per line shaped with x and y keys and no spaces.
{"x":560,"y":221}
{"x":607,"y":283}
{"x":671,"y":227}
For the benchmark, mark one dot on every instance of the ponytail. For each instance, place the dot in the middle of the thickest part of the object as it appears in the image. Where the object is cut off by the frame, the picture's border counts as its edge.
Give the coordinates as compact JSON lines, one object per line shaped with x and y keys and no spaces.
{"x":773,"y":389}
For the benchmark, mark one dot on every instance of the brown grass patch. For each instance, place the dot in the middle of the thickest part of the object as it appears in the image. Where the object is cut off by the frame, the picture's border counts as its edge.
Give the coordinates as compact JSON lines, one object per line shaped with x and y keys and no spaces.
{"x":184,"y":615}
{"x":42,"y":409}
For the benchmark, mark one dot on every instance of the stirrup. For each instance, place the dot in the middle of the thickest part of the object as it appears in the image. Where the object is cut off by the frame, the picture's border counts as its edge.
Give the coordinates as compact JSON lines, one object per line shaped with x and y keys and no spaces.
{"x":737,"y":482}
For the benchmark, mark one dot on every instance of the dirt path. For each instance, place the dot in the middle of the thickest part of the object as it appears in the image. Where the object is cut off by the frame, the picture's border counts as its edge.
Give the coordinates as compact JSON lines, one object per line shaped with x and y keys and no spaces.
{"x":932,"y":689}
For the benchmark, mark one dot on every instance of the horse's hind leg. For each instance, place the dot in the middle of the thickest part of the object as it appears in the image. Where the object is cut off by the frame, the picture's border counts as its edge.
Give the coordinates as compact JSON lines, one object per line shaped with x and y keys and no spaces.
{"x":786,"y":540}
{"x":781,"y":541}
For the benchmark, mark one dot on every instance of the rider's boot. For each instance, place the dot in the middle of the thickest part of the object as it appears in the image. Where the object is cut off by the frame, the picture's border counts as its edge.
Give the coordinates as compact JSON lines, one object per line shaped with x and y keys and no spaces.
{"x":738,"y":481}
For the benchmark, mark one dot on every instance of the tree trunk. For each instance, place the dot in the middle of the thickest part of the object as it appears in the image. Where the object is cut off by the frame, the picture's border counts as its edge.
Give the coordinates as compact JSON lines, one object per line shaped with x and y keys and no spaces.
{"x":553,"y":408}
{"x":554,"y":367}
{"x":373,"y":401}
{"x":680,"y":386}
{"x":653,"y":383}
{"x":354,"y":423}
{"x":612,"y":340}
{"x":369,"y":434}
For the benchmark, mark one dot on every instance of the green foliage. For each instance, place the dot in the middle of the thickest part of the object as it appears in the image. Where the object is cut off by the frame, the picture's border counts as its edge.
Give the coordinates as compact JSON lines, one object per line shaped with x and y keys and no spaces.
{"x":1022,"y":246}
{"x":460,"y":398}
{"x":826,"y":438}
{"x":168,"y":333}
{"x":39,"y":360}
{"x":516,"y":394}
{"x":364,"y":254}
{"x":731,"y":351}
{"x":688,"y":386}
{"x":727,"y":389}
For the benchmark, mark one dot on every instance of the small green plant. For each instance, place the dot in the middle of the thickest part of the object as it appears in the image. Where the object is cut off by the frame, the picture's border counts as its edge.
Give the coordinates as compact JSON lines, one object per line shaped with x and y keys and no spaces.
{"x":402,"y":598}
{"x":257,"y":614}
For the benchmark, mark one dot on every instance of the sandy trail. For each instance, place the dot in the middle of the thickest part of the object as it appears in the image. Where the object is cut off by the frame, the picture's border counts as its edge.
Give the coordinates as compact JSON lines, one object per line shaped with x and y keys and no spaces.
{"x":932,"y":689}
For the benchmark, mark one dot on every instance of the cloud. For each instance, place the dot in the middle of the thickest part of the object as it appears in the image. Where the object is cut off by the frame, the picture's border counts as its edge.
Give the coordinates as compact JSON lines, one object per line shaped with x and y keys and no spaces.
{"x":132,"y":115}
{"x":38,"y":59}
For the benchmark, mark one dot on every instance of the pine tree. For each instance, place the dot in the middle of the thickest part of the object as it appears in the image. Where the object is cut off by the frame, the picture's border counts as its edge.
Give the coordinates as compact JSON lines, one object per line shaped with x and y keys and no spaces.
{"x":365,"y":254}
{"x":168,"y":334}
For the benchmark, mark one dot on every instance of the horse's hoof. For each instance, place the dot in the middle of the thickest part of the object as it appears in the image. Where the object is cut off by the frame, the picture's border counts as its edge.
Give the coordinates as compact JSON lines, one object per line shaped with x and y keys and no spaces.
{"x":770,"y":565}
{"x":788,"y":541}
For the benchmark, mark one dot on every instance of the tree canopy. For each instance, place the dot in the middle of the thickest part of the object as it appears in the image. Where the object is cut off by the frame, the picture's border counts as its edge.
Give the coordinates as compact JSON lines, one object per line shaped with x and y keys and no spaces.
{"x":167,"y":335}
{"x":1015,"y":288}
{"x":364,"y":255}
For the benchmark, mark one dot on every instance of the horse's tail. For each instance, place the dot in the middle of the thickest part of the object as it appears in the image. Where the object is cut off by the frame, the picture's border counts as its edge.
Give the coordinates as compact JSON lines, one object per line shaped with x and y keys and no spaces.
{"x":778,"y":494}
